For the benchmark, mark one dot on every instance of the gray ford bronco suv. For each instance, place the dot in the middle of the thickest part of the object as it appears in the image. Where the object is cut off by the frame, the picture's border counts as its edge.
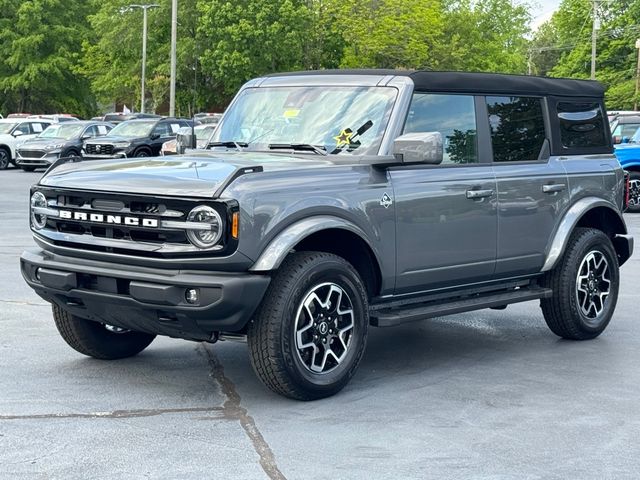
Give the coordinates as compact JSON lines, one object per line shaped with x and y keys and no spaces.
{"x":332,"y":202}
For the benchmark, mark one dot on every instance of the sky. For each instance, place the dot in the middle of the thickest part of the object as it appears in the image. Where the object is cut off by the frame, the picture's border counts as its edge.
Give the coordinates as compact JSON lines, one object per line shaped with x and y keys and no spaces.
{"x":543,"y":11}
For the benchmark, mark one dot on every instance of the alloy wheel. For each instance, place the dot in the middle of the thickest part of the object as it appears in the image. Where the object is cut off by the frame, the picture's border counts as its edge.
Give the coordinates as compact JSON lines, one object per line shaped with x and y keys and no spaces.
{"x":324,"y":328}
{"x":593,"y":284}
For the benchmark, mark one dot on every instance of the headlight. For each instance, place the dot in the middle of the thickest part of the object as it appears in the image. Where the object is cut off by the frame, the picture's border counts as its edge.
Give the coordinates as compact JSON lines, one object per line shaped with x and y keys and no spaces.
{"x":48,"y":148}
{"x":121,"y":144}
{"x":39,"y":220}
{"x":208,"y":216}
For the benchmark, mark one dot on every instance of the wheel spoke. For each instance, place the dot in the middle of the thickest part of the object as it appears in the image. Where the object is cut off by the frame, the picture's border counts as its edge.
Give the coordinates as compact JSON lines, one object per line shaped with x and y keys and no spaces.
{"x":593,"y":284}
{"x":323,"y":327}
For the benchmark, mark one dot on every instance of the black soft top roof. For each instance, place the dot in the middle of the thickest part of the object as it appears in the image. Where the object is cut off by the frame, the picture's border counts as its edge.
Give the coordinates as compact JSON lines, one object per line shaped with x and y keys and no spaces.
{"x":472,"y":82}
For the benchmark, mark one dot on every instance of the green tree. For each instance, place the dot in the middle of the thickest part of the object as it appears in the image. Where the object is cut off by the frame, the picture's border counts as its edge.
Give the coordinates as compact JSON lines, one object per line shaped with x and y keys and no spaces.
{"x":402,"y":34}
{"x":567,"y":36}
{"x":40,"y":48}
{"x":244,"y":39}
{"x":487,"y":36}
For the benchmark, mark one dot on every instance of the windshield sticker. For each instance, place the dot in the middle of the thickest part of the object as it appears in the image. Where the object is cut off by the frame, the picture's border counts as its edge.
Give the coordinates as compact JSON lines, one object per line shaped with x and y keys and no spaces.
{"x":344,"y":138}
{"x":291,"y":113}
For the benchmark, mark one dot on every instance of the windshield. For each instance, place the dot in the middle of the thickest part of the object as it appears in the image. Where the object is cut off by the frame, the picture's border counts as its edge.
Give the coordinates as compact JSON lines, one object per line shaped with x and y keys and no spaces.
{"x":62,"y":131}
{"x":7,"y":127}
{"x":132,"y":129}
{"x":347,"y":120}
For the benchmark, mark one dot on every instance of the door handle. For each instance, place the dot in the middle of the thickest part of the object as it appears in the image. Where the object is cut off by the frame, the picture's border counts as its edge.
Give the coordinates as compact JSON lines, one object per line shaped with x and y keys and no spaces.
{"x":472,"y":194}
{"x":553,"y":187}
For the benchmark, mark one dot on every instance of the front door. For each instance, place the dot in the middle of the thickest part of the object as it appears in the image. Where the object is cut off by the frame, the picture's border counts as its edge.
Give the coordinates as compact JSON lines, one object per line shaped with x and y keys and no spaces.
{"x":446,"y":214}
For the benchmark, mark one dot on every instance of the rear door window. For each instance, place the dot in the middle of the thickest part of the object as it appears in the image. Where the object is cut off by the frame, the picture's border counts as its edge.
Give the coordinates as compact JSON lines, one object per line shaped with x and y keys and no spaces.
{"x":517,"y":128}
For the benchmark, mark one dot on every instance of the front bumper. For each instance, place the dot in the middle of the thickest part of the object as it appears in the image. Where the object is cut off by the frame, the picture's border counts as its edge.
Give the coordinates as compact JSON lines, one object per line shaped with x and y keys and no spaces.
{"x":145,"y":299}
{"x":46,"y":160}
{"x":99,"y":156}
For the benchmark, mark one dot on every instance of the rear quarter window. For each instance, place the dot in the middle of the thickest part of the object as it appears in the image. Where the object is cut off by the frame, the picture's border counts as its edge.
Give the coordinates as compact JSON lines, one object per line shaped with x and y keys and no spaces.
{"x":582,"y":125}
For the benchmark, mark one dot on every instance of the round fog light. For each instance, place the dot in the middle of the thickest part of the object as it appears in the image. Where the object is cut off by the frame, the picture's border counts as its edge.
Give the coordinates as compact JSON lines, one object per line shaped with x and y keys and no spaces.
{"x":192,"y":295}
{"x":37,"y":273}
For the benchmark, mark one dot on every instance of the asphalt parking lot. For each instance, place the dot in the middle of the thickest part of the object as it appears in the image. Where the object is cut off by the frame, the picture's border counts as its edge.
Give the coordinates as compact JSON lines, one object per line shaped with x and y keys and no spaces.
{"x":486,"y":395}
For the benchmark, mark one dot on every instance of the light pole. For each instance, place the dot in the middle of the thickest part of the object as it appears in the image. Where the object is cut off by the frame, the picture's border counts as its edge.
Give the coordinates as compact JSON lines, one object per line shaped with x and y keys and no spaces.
{"x":594,"y":35}
{"x":144,"y":8}
{"x":174,"y":38}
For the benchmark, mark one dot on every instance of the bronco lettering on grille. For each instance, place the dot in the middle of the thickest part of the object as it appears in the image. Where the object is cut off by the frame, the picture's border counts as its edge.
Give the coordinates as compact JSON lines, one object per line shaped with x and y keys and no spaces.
{"x":110,"y":219}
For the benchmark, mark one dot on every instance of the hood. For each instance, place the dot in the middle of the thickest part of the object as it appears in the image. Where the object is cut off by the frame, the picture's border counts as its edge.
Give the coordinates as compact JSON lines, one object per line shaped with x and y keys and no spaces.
{"x":195,"y":175}
{"x":41,"y":143}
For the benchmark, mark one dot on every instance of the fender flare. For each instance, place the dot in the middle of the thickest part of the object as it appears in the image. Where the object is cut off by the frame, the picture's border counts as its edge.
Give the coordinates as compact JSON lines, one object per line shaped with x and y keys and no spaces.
{"x":568,"y":223}
{"x":276,"y":251}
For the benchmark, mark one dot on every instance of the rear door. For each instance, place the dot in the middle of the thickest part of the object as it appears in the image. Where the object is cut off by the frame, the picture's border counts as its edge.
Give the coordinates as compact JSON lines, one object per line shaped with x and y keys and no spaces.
{"x":533,"y":188}
{"x":446,"y":214}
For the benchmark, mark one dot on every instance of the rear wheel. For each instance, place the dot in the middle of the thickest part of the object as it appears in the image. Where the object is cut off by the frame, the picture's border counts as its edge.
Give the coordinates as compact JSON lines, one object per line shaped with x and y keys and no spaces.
{"x":5,"y":158}
{"x":585,"y":287}
{"x":98,"y":340}
{"x":309,"y":335}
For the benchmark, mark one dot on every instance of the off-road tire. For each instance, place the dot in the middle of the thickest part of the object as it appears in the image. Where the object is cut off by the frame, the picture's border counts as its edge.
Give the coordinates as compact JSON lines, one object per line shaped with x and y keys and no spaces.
{"x":562,"y":311}
{"x":271,"y":334}
{"x":94,"y":340}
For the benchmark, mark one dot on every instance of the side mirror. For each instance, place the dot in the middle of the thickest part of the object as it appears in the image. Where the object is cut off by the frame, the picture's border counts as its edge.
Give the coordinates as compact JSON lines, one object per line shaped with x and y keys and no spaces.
{"x":17,"y":133}
{"x":85,"y":137}
{"x":154,"y":136}
{"x":185,"y":139}
{"x":625,"y":140}
{"x":419,"y":148}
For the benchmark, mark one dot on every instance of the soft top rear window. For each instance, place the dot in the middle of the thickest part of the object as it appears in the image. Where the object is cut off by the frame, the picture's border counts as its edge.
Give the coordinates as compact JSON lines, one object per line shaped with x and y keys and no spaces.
{"x":582,"y":125}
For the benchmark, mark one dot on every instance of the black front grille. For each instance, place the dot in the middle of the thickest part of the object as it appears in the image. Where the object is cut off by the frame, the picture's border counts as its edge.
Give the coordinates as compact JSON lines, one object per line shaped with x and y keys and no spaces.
{"x":121,"y":207}
{"x":31,"y":153}
{"x":100,"y":149}
{"x":88,"y":223}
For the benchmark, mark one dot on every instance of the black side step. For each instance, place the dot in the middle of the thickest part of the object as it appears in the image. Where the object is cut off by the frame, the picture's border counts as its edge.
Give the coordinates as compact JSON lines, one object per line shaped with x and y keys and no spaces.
{"x":389,"y":317}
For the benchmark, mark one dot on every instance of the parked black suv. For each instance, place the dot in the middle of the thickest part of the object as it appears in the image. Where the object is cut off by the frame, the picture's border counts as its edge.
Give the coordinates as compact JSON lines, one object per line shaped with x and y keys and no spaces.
{"x":59,"y":140}
{"x":134,"y":138}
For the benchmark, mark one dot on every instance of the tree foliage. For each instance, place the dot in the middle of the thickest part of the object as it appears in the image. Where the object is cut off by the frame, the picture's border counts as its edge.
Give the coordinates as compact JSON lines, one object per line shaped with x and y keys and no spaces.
{"x":69,"y":55}
{"x":40,"y":50}
{"x":562,"y":46}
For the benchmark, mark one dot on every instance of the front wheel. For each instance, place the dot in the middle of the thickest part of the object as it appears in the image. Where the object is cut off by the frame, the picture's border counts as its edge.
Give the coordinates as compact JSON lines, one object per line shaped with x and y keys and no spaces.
{"x":634,"y":201}
{"x":142,"y":153}
{"x":5,"y":158}
{"x":585,"y":287}
{"x":98,"y":340}
{"x":308,"y":337}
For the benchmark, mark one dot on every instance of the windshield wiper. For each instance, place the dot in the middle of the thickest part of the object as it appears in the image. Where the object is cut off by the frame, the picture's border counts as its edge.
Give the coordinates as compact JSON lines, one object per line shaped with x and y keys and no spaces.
{"x":304,"y":147}
{"x":230,"y":144}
